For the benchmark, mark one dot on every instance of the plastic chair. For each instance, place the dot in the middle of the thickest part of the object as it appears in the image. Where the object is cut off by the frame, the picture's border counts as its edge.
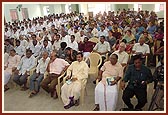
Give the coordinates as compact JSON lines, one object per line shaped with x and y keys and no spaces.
{"x":94,"y":40}
{"x":95,"y":60}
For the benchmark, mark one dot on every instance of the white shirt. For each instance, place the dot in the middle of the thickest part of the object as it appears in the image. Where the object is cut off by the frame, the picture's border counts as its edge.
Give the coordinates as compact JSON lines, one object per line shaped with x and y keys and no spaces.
{"x":77,"y":37}
{"x":102,"y":33}
{"x":48,"y":49}
{"x":71,"y":31}
{"x":143,"y":49}
{"x":42,"y":65}
{"x":56,"y":45}
{"x":8,"y":34}
{"x":39,"y":27}
{"x":20,"y":50}
{"x":26,"y":64}
{"x":32,"y":29}
{"x":23,"y":32}
{"x":15,"y":35}
{"x":66,"y":39}
{"x":35,"y":49}
{"x":102,"y":47}
{"x":24,"y":43}
{"x":122,"y":56}
{"x":95,"y":32}
{"x":73,"y":45}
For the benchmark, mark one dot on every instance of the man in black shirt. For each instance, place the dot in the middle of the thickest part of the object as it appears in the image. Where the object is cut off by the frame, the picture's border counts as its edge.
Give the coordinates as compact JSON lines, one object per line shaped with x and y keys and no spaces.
{"x":138,"y":76}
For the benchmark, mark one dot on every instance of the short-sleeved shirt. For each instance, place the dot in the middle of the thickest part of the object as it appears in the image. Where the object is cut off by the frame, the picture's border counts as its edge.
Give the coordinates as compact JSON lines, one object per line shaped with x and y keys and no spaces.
{"x":111,"y":70}
{"x":102,"y":47}
{"x":122,"y":57}
{"x":141,"y":48}
{"x":58,"y":65}
{"x":132,"y":75}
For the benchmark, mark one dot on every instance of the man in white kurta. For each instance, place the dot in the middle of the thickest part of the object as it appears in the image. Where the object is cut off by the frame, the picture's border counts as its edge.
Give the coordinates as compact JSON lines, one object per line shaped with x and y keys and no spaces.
{"x":71,"y":92}
{"x":106,"y":96}
{"x":10,"y":66}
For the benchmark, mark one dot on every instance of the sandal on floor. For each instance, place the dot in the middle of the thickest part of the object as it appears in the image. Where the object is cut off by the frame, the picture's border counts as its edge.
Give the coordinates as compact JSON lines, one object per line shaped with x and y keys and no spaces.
{"x":32,"y":94}
{"x":24,"y":88}
{"x":7,"y":88}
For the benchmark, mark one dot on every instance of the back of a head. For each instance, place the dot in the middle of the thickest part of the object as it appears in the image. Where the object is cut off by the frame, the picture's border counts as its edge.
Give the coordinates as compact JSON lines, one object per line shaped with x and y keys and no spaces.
{"x":63,"y":44}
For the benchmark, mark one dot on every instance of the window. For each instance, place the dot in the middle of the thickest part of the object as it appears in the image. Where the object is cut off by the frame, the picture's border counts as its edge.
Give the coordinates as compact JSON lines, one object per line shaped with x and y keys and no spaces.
{"x":68,"y":8}
{"x":46,"y":10}
{"x":14,"y":14}
{"x":25,"y":13}
{"x":159,"y":7}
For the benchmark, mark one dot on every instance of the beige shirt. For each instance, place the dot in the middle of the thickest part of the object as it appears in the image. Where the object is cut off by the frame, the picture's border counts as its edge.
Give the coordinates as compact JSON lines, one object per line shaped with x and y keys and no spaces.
{"x":110,"y":70}
{"x":122,"y":56}
{"x":12,"y":62}
{"x":95,"y":32}
{"x":58,"y":65}
{"x":79,"y":70}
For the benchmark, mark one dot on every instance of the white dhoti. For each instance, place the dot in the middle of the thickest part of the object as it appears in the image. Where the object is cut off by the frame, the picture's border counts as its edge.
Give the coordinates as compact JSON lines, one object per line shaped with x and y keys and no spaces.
{"x":71,"y":90}
{"x":7,"y":76}
{"x":106,"y":96}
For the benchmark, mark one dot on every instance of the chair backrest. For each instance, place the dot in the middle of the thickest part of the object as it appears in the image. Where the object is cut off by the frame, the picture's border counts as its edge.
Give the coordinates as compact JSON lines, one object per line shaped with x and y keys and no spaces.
{"x":94,"y":39}
{"x":6,"y":56}
{"x":95,"y":59}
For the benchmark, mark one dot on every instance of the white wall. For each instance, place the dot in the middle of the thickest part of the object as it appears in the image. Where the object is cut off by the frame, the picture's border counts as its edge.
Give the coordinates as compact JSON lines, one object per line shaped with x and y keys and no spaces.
{"x":74,"y":7}
{"x":33,"y":10}
{"x":121,"y":6}
{"x":149,"y":7}
{"x":83,"y":8}
{"x":160,"y":14}
{"x":131,"y":6}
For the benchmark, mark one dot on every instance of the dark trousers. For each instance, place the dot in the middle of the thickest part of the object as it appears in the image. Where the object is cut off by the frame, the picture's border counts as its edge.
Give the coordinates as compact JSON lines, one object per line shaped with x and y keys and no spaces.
{"x":20,"y":79}
{"x":140,"y":93}
{"x":49,"y":83}
{"x":103,"y":59}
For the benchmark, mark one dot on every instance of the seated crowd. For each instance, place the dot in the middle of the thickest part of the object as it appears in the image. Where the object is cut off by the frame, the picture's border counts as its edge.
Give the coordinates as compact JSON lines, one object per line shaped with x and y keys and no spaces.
{"x":38,"y":51}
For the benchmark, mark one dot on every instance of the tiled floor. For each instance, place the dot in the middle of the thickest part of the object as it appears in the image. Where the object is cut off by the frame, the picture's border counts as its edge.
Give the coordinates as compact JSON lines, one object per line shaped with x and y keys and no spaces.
{"x":16,"y":100}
